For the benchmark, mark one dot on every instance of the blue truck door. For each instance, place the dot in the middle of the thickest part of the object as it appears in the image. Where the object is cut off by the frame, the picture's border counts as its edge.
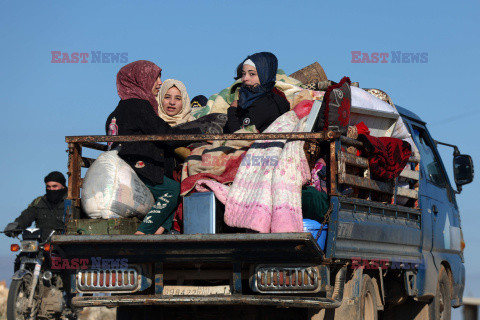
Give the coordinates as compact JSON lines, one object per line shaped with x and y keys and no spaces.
{"x":438,"y":198}
{"x":437,"y":201}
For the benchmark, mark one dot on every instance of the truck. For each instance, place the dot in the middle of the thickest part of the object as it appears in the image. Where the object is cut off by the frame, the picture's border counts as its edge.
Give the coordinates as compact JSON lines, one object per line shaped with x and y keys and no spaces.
{"x":394,"y":253}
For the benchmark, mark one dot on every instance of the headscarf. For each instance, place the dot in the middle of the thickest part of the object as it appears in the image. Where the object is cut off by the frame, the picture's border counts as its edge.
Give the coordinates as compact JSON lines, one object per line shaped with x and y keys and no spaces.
{"x":183,"y":115}
{"x":136,"y":79}
{"x":266,"y":64}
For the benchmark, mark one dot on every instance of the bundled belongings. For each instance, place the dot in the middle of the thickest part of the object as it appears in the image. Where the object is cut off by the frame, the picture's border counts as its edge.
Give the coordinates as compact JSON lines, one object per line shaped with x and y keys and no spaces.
{"x":387,"y":124}
{"x":387,"y":142}
{"x":218,"y":161}
{"x":266,"y":193}
{"x":335,"y":109}
{"x":387,"y":157}
{"x":111,"y":189}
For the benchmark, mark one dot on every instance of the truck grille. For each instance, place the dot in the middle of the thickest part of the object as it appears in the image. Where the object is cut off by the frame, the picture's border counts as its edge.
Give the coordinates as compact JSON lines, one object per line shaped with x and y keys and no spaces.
{"x":108,"y":280}
{"x":274,"y":279}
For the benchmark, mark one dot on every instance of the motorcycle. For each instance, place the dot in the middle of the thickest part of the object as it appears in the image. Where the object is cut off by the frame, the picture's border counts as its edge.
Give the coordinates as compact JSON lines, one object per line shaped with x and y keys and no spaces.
{"x":37,"y":291}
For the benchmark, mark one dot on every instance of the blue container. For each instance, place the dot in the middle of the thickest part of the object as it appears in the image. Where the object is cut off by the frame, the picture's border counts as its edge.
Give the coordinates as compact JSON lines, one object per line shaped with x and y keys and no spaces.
{"x":199,"y":213}
{"x":313,"y":227}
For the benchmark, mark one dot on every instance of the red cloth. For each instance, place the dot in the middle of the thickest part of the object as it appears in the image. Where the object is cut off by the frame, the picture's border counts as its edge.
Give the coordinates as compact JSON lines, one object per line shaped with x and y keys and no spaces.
{"x":231,"y":168}
{"x":303,"y":108}
{"x":178,"y":218}
{"x":362,"y":128}
{"x":387,"y":156}
{"x":336,"y":105}
{"x":136,"y":80}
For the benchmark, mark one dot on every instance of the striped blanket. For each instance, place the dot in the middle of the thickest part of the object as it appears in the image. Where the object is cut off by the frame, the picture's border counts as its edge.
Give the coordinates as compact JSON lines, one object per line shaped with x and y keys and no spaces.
{"x":218,"y":161}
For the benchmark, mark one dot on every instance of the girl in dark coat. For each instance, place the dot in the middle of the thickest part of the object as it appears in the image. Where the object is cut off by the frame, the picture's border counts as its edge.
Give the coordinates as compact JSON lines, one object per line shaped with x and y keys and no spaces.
{"x":137,"y":114}
{"x":259,"y":103}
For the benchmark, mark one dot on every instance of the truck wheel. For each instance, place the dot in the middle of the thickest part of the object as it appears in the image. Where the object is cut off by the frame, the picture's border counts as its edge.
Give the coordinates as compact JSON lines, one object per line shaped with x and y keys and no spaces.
{"x":17,"y":300}
{"x":368,"y":300}
{"x":354,"y":307}
{"x":441,"y":307}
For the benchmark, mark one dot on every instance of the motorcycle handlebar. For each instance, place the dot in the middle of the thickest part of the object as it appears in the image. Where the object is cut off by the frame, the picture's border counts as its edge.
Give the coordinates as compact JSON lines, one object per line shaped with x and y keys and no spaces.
{"x":16,"y":232}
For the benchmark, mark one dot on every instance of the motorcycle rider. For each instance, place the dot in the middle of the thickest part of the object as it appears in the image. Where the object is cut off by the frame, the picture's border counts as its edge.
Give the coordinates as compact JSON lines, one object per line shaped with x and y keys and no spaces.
{"x":47,"y":211}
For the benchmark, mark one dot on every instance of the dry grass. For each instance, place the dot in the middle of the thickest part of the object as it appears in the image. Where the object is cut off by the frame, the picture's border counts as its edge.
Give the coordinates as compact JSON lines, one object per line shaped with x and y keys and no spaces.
{"x":3,"y":299}
{"x":98,"y":313}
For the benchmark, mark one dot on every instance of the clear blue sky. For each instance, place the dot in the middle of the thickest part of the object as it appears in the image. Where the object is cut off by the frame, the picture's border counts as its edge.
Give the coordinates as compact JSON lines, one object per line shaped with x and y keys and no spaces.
{"x":201,"y":43}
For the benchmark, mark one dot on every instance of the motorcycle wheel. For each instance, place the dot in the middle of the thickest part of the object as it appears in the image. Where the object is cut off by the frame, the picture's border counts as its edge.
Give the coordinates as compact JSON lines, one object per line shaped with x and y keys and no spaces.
{"x":17,"y":300}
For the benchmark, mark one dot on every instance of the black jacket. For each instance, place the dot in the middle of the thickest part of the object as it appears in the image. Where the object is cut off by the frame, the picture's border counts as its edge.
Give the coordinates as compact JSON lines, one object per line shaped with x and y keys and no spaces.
{"x":261,"y":113}
{"x":47,"y":217}
{"x":151,"y":160}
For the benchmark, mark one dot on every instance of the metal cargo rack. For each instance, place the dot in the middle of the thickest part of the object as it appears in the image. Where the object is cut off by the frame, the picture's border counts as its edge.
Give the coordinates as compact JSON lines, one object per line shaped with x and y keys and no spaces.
{"x":339,"y":161}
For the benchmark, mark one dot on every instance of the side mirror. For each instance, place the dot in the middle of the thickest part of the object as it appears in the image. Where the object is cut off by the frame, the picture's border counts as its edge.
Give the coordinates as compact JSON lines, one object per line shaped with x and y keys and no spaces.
{"x":462,"y":169}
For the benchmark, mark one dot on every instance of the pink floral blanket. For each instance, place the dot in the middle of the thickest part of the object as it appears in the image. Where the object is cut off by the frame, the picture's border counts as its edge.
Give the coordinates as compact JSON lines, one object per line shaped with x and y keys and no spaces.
{"x":266,"y":193}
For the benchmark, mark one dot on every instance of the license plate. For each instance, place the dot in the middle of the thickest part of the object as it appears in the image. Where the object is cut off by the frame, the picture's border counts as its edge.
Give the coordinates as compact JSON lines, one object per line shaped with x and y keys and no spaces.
{"x":196,"y":290}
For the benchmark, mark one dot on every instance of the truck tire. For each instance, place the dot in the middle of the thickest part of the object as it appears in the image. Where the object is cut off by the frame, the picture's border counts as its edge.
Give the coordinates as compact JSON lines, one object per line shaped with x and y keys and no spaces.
{"x":361,"y":307}
{"x":368,"y":300}
{"x":441,"y":307}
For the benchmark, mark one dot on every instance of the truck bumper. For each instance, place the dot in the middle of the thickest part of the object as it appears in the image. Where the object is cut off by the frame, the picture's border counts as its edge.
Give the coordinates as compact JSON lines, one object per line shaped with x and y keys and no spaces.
{"x":218,"y":300}
{"x":264,"y":300}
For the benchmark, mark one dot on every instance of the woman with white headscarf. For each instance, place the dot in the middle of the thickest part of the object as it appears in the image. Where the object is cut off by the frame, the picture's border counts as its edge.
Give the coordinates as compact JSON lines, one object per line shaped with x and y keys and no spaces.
{"x":173,"y":103}
{"x":174,"y":108}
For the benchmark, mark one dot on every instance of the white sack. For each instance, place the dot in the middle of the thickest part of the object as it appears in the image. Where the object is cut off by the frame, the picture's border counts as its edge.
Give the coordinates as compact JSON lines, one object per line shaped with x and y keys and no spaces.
{"x":111,"y":189}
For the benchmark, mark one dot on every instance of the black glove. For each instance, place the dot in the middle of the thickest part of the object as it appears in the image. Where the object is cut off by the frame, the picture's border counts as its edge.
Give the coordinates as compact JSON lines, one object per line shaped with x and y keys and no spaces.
{"x":11,"y":229}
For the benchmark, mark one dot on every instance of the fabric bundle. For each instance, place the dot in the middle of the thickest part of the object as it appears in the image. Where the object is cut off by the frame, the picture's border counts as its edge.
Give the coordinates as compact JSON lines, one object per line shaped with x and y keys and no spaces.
{"x":335,"y":109}
{"x":111,"y":189}
{"x":218,"y":161}
{"x":273,"y":179}
{"x":291,"y":173}
{"x":387,"y":157}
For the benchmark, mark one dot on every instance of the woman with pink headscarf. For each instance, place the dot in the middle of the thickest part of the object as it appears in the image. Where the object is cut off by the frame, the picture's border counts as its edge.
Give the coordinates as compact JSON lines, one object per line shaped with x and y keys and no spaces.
{"x":138,"y":84}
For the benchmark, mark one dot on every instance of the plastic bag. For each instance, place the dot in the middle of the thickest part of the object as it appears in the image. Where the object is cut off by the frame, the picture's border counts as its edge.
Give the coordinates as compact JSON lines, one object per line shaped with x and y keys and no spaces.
{"x":111,"y":189}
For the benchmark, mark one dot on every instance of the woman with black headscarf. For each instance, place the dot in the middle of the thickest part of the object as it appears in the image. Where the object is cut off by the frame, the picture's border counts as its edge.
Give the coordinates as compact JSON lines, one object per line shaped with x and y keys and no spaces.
{"x":138,"y":83}
{"x":259,"y":102}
